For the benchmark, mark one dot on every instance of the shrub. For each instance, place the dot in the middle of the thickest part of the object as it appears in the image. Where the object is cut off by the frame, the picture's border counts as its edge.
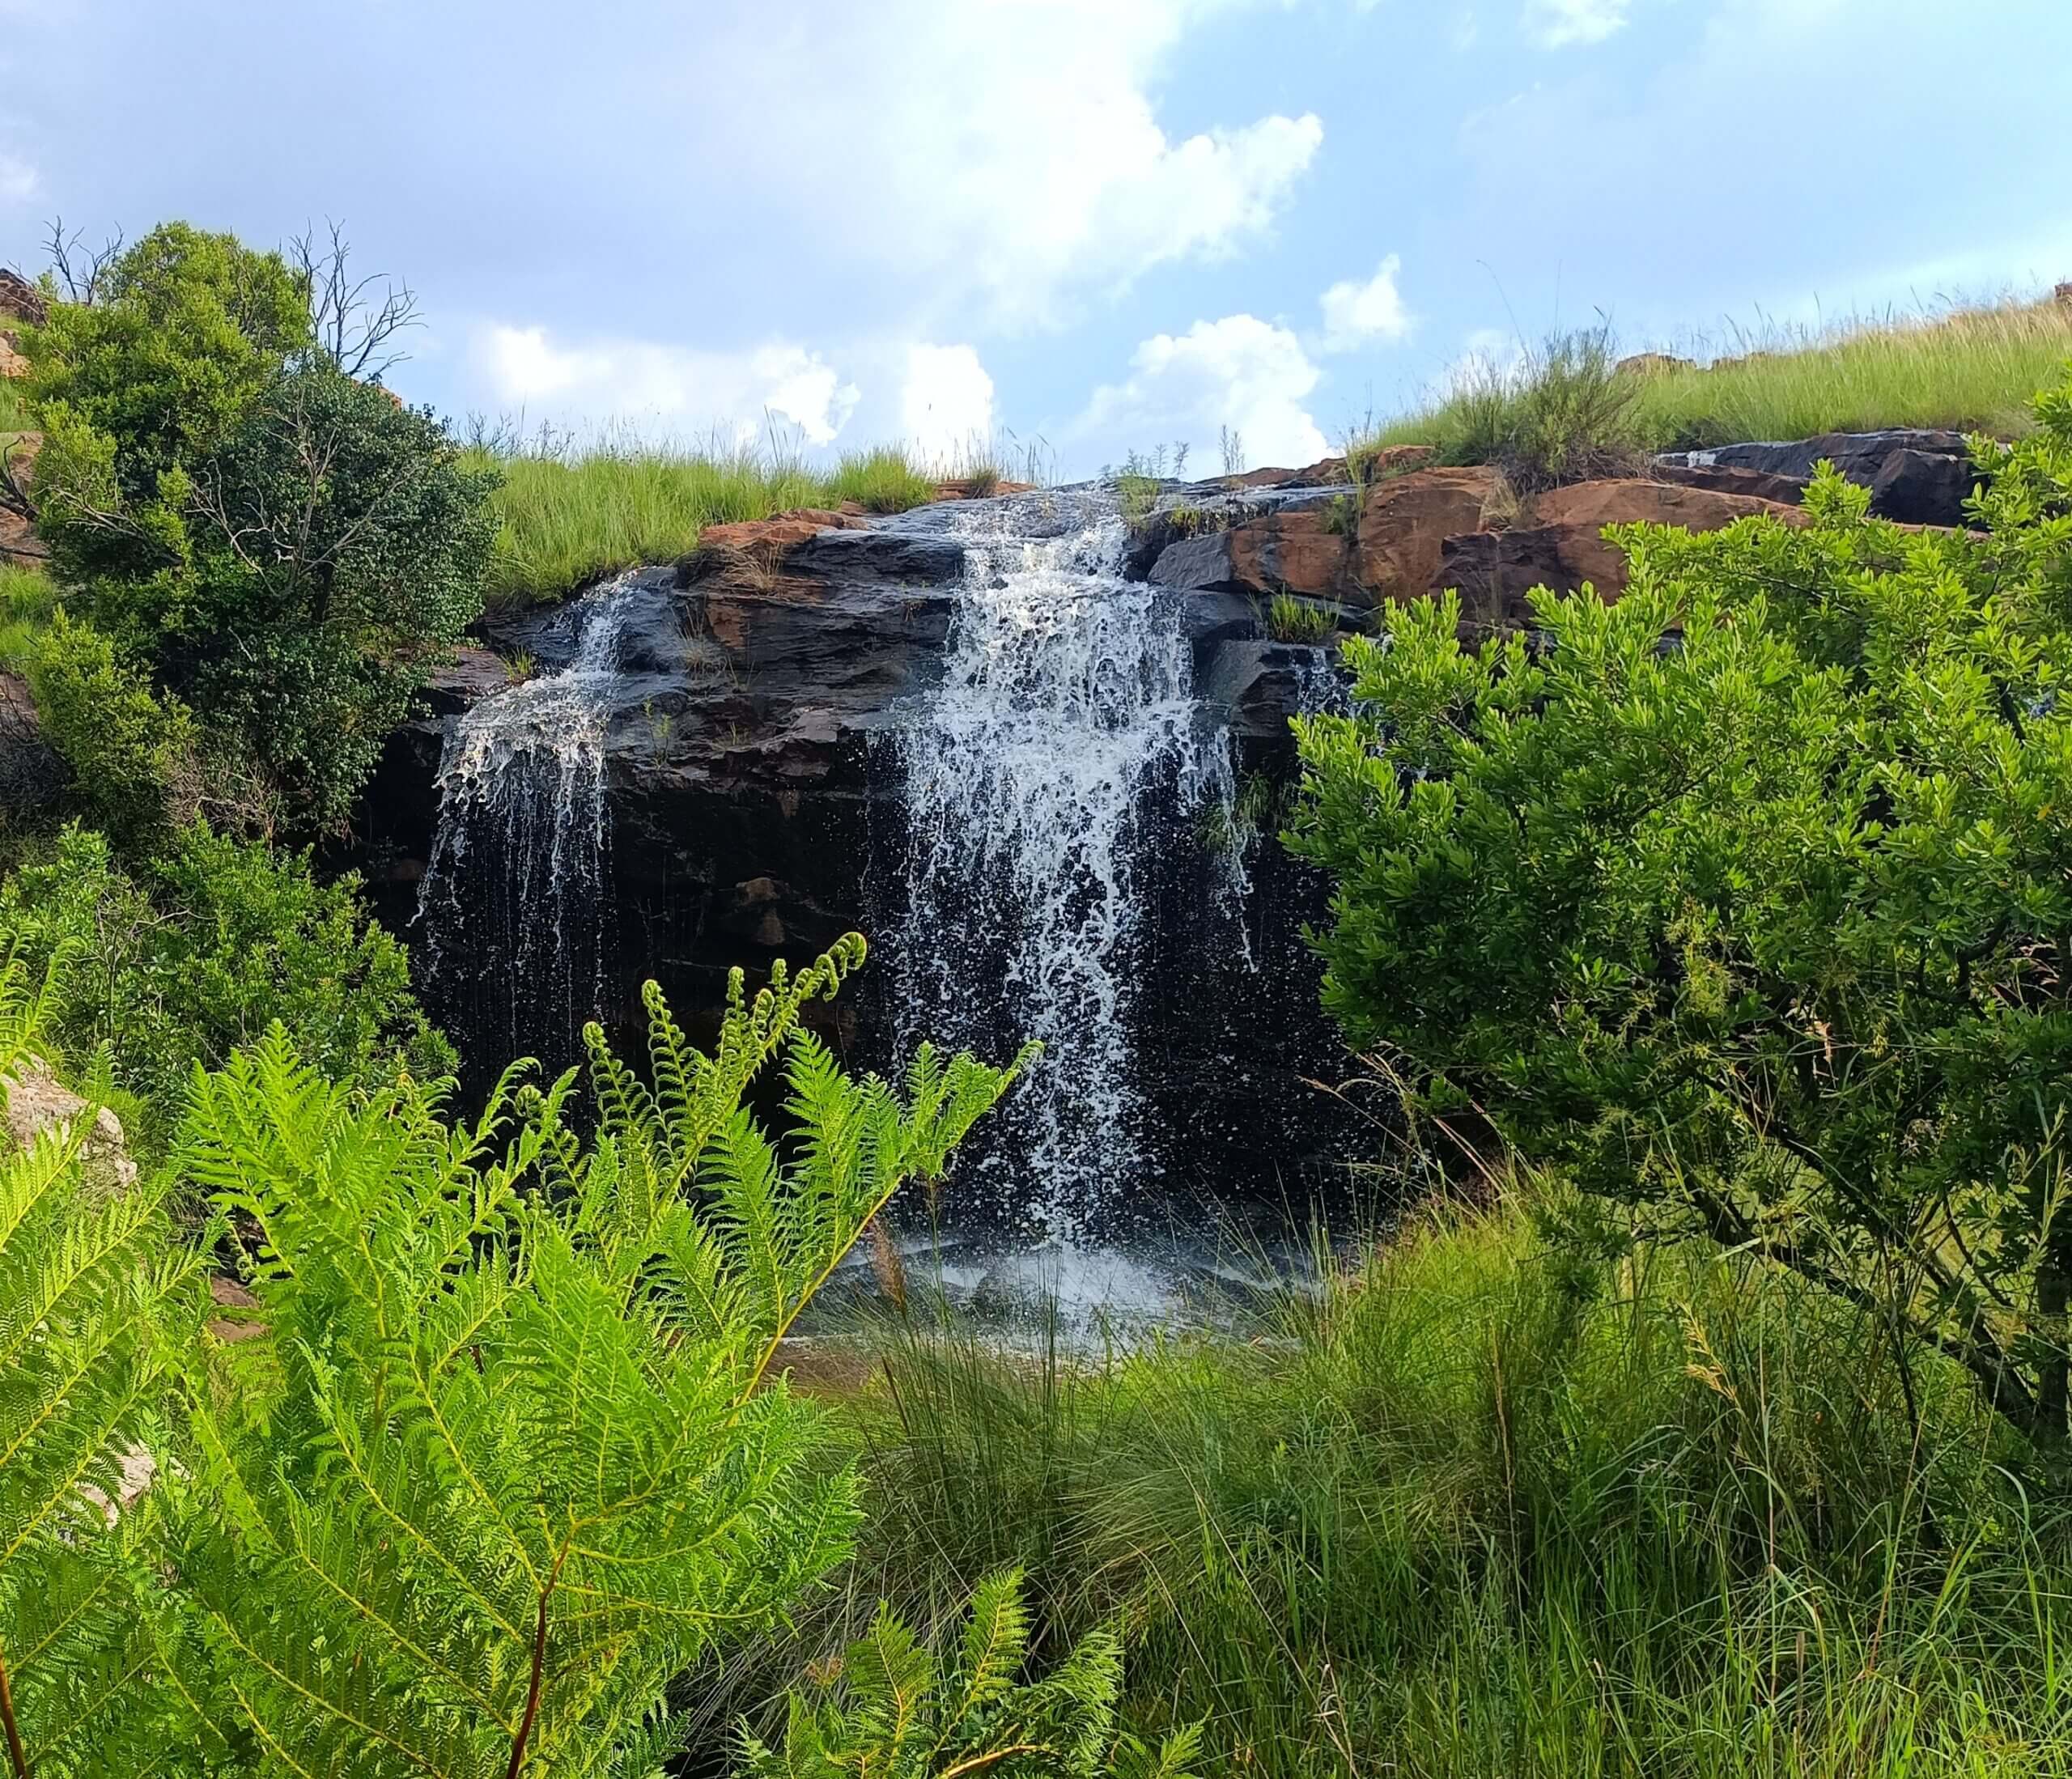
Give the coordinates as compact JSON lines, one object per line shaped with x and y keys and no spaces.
{"x":132,"y":754}
{"x":201,"y":952}
{"x":341,"y":588}
{"x":1747,"y":901}
{"x":1564,"y":414}
{"x":283,"y":547}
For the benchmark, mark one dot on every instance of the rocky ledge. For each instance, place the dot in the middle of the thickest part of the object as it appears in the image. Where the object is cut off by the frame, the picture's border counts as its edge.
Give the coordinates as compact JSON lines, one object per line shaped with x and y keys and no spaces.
{"x":1407,"y":528}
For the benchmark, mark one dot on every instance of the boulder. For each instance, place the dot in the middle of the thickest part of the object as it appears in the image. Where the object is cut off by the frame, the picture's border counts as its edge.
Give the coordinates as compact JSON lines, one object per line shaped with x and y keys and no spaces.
{"x":750,"y":546}
{"x":36,"y":1100}
{"x":1562,"y":543}
{"x":1930,"y":477}
{"x":21,"y":303}
{"x":1760,"y":484}
{"x":1651,"y":364}
{"x":1380,"y":464}
{"x":1302,"y":549}
{"x":1404,"y":524}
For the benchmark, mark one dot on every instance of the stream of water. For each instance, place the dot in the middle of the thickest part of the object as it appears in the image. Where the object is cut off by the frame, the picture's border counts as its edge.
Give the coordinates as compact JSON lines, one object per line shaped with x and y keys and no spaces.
{"x":1063,"y":746}
{"x":514,"y":903}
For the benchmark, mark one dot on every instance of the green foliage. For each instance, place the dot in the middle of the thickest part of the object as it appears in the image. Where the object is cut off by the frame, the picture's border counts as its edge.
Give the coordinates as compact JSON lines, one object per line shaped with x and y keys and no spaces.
{"x":1289,"y":619}
{"x":518,"y":1456}
{"x":341,"y":542}
{"x":28,"y":601}
{"x":91,"y":1297}
{"x":891,"y":1709}
{"x":1748,"y":901}
{"x":133,"y":753}
{"x":283,"y":547}
{"x":200,"y":951}
{"x":157,"y":373}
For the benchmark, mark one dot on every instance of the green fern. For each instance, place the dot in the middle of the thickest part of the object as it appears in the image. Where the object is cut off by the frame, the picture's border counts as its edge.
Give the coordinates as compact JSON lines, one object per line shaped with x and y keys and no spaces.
{"x":891,"y":1710}
{"x":515,"y":1457}
{"x":87,"y":1296}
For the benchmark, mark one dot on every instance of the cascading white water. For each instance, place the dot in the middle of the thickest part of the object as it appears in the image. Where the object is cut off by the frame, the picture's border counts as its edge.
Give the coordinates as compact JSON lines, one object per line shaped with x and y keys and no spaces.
{"x":514,"y":901}
{"x":1066,"y":709}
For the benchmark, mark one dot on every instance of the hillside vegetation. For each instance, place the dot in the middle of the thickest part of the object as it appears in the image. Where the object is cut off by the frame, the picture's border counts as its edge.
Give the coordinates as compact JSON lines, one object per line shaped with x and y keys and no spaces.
{"x":1972,"y":369}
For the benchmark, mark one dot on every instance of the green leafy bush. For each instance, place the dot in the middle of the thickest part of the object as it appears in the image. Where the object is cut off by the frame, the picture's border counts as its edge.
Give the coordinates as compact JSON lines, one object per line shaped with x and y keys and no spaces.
{"x":1748,"y":900}
{"x":200,"y":951}
{"x":280,"y":546}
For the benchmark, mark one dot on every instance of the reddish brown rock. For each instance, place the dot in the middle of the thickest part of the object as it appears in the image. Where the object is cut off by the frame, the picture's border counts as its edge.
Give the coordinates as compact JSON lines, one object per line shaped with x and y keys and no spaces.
{"x":1404,"y":524}
{"x":1652,"y":364}
{"x":1379,"y":465}
{"x":21,"y":303}
{"x":1296,"y":550}
{"x":1563,"y":546}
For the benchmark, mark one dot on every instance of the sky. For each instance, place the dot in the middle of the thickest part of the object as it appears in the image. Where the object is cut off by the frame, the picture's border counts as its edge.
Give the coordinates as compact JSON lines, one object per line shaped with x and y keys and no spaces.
{"x":1087,"y":228}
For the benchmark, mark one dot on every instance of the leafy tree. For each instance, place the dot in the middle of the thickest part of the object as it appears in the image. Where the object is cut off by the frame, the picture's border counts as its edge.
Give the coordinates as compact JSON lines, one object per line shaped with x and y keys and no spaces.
{"x":891,"y":1710}
{"x":92,"y":1296}
{"x":521,"y":1450}
{"x":282,"y":548}
{"x":200,"y":951}
{"x":1748,"y":900}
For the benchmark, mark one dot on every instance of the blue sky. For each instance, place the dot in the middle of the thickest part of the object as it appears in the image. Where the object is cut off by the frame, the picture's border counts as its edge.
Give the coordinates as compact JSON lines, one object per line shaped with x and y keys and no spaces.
{"x":1109,"y":223}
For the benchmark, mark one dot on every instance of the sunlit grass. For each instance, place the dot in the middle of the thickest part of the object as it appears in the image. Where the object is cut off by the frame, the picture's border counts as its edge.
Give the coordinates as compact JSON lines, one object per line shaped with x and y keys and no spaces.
{"x":1485,"y":1506}
{"x":566,"y":517}
{"x":1972,"y":369}
{"x":27,"y":598}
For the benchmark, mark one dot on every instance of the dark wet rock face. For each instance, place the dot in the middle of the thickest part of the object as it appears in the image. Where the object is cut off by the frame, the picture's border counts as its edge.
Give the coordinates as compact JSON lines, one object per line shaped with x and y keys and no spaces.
{"x":751,"y":733}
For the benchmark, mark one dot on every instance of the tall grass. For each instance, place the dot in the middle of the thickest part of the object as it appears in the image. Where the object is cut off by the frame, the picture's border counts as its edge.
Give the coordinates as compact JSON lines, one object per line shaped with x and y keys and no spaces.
{"x":1483,"y":1506}
{"x":27,"y":598}
{"x":566,"y":516}
{"x":1970,"y":368}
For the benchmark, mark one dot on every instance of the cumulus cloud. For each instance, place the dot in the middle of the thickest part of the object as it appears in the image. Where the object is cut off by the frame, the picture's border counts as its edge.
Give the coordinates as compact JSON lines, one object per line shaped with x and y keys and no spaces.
{"x":1556,"y":24}
{"x":946,"y":402}
{"x":1356,"y":312}
{"x":1250,"y":376}
{"x":678,"y":388}
{"x":1008,"y":159}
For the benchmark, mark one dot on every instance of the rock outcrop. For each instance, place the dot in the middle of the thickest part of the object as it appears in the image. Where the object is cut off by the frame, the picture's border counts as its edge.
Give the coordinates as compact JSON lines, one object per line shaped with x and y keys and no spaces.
{"x":1918,"y":476}
{"x":37,"y":1100}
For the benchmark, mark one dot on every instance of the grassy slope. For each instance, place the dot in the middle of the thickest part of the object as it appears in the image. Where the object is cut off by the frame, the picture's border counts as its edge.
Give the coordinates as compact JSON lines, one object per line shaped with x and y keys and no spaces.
{"x":1488,"y":1510}
{"x":1972,"y":369}
{"x":566,"y":521}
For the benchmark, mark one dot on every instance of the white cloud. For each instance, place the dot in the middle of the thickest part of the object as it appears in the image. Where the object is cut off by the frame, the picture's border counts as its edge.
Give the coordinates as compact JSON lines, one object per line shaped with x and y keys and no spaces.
{"x":999,"y":162}
{"x":1556,"y":24}
{"x":947,"y":401}
{"x":1250,"y":376}
{"x":1355,"y":313}
{"x":678,"y":388}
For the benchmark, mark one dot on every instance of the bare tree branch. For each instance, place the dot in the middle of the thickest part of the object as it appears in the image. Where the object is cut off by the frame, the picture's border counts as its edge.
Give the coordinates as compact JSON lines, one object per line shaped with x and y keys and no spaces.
{"x":354,"y":327}
{"x":80,"y":270}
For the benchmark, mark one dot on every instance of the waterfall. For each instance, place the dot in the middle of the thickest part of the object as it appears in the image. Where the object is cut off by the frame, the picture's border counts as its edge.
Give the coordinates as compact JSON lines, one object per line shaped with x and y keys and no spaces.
{"x":514,"y":902}
{"x":1042,"y":777}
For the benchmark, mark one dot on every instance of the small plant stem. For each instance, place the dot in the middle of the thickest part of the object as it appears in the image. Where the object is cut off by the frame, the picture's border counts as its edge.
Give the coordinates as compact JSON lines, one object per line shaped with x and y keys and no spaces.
{"x":16,"y":1754}
{"x":539,"y":1669}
